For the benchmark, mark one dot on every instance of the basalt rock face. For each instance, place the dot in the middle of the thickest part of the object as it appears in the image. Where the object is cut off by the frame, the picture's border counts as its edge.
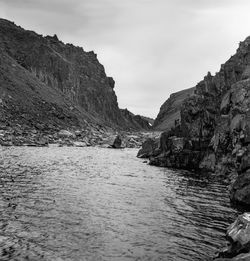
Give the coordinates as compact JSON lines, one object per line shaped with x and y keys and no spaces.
{"x":170,"y":110}
{"x":214,"y":126}
{"x":62,"y":71}
{"x":136,"y":120}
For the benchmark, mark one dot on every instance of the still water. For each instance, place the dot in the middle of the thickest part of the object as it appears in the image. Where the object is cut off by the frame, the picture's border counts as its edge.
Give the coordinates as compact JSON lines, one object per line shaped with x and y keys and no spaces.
{"x":103,"y":204}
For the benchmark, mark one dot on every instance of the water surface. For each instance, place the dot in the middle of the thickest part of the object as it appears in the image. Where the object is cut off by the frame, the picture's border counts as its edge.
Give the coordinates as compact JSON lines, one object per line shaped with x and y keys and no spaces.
{"x":103,"y":204}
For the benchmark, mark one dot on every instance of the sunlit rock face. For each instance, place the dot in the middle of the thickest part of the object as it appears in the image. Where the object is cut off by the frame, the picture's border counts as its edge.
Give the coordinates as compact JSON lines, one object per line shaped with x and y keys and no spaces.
{"x":64,"y":69}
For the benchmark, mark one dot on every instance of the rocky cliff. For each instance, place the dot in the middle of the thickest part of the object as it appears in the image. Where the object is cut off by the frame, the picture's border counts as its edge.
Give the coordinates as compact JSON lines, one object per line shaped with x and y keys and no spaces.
{"x":137,"y":120}
{"x":44,"y":81}
{"x":170,"y":111}
{"x":213,"y":133}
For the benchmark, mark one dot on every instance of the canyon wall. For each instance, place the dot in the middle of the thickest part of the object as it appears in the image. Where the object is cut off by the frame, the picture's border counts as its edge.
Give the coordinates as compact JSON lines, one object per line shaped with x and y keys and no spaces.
{"x":213,"y":131}
{"x":46,"y":69}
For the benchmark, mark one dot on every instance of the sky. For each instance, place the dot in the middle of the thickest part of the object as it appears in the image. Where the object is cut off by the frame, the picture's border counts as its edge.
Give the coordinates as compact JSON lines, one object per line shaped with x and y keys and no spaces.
{"x":151,"y":48}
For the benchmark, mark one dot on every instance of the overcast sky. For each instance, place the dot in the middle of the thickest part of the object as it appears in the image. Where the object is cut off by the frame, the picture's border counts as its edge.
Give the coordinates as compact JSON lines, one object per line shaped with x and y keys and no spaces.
{"x":150,"y":47}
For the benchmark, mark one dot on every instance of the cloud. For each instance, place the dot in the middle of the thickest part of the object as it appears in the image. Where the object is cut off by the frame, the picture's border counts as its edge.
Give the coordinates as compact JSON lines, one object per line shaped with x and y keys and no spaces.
{"x":151,"y":48}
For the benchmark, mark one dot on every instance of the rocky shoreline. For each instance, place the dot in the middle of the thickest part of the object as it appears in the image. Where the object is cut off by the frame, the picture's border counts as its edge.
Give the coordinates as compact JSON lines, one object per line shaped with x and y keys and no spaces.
{"x":213,"y":135}
{"x":80,"y":137}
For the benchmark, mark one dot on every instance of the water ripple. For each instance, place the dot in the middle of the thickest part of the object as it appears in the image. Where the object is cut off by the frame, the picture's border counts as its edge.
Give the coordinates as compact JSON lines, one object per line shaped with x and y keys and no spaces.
{"x":102,"y":204}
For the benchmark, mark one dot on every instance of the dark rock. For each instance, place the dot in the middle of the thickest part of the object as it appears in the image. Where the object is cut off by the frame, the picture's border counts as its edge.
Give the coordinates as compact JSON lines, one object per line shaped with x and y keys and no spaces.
{"x":245,"y":160}
{"x":148,"y":148}
{"x":238,"y":235}
{"x":137,"y":120}
{"x":170,"y":111}
{"x":240,"y":192}
{"x":213,"y":124}
{"x":45,"y":82}
{"x":117,"y":144}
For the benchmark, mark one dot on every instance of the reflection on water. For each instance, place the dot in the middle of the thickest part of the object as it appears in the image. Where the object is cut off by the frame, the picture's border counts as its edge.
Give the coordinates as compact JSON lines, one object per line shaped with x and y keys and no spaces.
{"x":103,"y":204}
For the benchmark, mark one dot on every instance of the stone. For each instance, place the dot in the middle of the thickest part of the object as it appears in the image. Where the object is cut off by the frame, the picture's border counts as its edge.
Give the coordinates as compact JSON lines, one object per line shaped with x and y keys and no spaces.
{"x":176,"y":144}
{"x":238,"y":234}
{"x":78,"y":133}
{"x":117,"y":142}
{"x":225,"y":103}
{"x":236,"y":123}
{"x":148,"y":148}
{"x":240,"y":192}
{"x":79,"y":144}
{"x":245,"y":160}
{"x":66,"y":134}
{"x":208,"y":163}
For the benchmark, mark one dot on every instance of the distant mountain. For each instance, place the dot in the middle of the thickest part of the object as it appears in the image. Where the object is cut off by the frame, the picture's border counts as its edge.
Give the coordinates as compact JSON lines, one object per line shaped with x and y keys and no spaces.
{"x":137,"y":120}
{"x":170,"y":110}
{"x":149,"y":120}
{"x":44,"y":81}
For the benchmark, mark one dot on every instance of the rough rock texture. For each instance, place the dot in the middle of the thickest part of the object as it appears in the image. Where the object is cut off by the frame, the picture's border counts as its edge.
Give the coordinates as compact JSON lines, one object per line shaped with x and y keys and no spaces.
{"x":138,"y":121}
{"x":149,"y":148}
{"x":170,"y":110}
{"x":238,"y":235}
{"x":117,"y":142}
{"x":44,"y":80}
{"x":214,"y":131}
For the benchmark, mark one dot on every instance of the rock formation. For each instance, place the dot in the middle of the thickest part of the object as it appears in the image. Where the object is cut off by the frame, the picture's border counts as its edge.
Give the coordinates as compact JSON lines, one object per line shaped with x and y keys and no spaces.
{"x":46,"y":83}
{"x":138,"y":121}
{"x":170,"y":111}
{"x":238,"y":235}
{"x":213,"y":134}
{"x":213,"y":131}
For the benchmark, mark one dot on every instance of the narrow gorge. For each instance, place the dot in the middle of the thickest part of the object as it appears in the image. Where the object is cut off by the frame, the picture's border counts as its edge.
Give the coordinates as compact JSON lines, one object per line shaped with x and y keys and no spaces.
{"x":71,"y":184}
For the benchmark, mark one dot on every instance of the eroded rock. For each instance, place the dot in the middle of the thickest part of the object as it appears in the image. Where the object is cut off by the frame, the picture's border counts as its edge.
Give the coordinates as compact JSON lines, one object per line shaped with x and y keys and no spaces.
{"x":238,"y":235}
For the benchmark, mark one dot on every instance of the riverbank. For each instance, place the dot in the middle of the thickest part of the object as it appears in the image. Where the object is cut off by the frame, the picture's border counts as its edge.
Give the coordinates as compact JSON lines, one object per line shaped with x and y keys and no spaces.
{"x":40,"y":136}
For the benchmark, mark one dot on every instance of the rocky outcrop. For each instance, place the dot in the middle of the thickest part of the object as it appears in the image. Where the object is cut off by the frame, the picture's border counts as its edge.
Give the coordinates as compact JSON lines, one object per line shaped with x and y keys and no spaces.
{"x":44,"y":81}
{"x":149,"y":148}
{"x":170,"y":111}
{"x":213,"y":134}
{"x":117,"y":144}
{"x":213,"y":131}
{"x":238,"y":235}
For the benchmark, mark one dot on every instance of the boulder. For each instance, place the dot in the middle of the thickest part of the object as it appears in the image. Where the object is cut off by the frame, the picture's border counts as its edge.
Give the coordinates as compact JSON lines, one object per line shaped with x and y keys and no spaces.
{"x":208,"y":162}
{"x":79,"y":144}
{"x":176,"y":144}
{"x":66,"y":134}
{"x":240,"y":192}
{"x":238,"y":235}
{"x":148,"y":148}
{"x":247,"y":129}
{"x":117,"y":144}
{"x":245,"y":160}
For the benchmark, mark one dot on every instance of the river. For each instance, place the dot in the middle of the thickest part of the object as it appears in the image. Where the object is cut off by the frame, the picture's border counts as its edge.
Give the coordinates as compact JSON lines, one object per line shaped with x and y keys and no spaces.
{"x":62,"y":203}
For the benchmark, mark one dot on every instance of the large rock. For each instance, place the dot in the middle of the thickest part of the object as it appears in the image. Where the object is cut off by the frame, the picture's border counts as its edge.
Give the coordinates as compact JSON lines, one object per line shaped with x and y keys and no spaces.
{"x":148,"y":148}
{"x":208,"y":163}
{"x":238,"y":235}
{"x":66,"y":134}
{"x":117,"y":144}
{"x":240,"y":192}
